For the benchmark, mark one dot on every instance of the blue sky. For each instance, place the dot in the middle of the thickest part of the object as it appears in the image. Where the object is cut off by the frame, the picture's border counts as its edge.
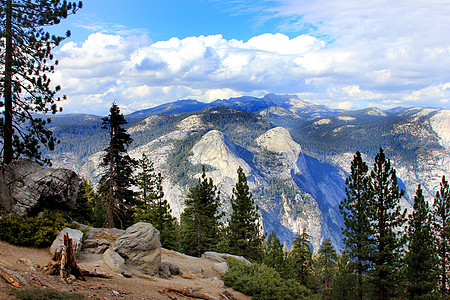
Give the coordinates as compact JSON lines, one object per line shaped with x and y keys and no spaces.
{"x":344,"y":54}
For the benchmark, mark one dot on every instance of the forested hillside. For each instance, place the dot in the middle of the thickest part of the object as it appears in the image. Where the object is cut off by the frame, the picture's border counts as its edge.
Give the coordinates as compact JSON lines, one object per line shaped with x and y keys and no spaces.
{"x":297,"y":175}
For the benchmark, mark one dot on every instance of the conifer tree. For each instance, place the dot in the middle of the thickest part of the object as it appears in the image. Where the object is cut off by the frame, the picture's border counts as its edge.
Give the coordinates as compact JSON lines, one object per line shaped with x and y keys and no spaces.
{"x":115,"y":184}
{"x":300,"y":257}
{"x":200,"y":221}
{"x":386,"y":217}
{"x":441,"y":214}
{"x":152,"y":207}
{"x":327,"y":264}
{"x":26,"y":61}
{"x":421,"y":258}
{"x":244,"y":238}
{"x":274,"y":255}
{"x":345,"y":282}
{"x":354,"y":209}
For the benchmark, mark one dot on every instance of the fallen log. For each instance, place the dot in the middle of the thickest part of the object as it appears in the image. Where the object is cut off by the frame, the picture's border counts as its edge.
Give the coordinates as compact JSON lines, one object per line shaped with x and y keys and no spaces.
{"x":87,"y":273}
{"x":190,"y":293}
{"x":9,"y":277}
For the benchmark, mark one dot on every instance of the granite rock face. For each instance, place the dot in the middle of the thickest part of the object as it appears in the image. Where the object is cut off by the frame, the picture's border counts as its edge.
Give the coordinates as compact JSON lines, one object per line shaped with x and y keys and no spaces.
{"x":140,"y":246}
{"x":28,"y":188}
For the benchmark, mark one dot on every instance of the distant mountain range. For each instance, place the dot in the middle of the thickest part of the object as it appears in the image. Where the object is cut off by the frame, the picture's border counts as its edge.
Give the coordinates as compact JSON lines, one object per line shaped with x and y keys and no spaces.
{"x":296,"y":154}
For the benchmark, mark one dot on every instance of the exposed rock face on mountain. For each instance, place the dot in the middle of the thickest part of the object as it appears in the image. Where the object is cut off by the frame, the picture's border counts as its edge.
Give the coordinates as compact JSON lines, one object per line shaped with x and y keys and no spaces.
{"x":296,"y":154}
{"x":29,"y":188}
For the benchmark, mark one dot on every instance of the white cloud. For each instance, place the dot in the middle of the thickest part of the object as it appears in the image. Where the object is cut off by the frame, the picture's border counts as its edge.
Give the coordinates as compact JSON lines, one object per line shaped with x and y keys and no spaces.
{"x":379,"y":52}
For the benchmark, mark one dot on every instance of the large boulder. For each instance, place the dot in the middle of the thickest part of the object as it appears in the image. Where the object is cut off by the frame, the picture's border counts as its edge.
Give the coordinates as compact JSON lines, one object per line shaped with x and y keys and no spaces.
{"x":140,"y":246}
{"x":116,"y":263}
{"x":28,"y":188}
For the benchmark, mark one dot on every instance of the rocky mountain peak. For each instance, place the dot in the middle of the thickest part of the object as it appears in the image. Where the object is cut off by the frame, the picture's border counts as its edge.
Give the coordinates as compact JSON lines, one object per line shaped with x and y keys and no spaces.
{"x":440,"y":123}
{"x":215,"y":150}
{"x":280,"y":141}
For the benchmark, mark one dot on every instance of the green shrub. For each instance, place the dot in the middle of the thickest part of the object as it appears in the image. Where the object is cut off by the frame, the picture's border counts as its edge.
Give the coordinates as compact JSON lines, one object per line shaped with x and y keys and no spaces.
{"x":262,"y":282}
{"x":33,"y":231}
{"x":45,"y":294}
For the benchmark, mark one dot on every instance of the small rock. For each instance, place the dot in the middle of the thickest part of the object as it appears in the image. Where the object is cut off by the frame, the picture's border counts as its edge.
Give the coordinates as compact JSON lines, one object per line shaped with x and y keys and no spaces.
{"x":174,"y":269}
{"x":90,"y":243}
{"x":165,"y":269}
{"x":104,"y":242}
{"x":221,"y":268}
{"x":101,"y":249}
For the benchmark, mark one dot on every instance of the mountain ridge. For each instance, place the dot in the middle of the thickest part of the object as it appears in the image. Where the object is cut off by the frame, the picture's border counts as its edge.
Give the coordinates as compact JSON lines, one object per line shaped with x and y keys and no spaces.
{"x":296,"y":162}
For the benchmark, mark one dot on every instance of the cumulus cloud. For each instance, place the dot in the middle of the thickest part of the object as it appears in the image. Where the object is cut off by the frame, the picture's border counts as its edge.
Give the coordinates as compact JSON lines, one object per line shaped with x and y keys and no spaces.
{"x":384,"y":53}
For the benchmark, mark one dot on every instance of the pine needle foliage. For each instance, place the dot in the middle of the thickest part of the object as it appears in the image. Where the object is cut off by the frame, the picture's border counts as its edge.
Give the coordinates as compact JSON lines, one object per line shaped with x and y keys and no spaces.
{"x":441,"y":211}
{"x":386,"y":219}
{"x":117,"y":179}
{"x":300,"y":257}
{"x":354,"y":209}
{"x":421,"y":259}
{"x":244,"y":236}
{"x":26,"y":61}
{"x":151,"y":206}
{"x":200,"y":221}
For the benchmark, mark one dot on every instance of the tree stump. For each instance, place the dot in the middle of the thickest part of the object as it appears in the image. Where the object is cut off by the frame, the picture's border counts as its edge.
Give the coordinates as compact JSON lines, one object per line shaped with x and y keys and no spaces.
{"x":63,"y":262}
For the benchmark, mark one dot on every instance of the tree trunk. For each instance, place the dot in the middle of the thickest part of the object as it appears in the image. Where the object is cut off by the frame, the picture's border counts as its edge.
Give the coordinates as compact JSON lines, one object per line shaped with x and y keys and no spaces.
{"x":8,"y":126}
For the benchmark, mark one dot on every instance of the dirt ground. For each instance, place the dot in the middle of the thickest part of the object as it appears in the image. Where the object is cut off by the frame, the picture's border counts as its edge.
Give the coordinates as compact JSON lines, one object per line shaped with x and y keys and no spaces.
{"x":197,"y":276}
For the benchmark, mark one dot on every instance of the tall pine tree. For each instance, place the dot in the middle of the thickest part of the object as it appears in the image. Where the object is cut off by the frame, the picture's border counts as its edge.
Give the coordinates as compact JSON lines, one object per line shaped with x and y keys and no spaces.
{"x":441,"y":213}
{"x":200,"y":221}
{"x":300,"y":257}
{"x":421,"y":258}
{"x":152,"y":207}
{"x":386,"y":218}
{"x":244,"y":237}
{"x":115,"y":184}
{"x":26,"y":61}
{"x":326,"y":265}
{"x":354,"y":209}
{"x":274,"y":255}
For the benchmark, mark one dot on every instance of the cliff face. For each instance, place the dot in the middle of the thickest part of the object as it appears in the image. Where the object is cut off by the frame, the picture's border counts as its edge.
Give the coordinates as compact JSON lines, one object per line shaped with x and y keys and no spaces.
{"x":296,"y":155}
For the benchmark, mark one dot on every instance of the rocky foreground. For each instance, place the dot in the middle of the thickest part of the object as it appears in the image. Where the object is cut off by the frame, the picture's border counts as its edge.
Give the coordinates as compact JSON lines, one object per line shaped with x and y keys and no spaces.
{"x":177,"y":274}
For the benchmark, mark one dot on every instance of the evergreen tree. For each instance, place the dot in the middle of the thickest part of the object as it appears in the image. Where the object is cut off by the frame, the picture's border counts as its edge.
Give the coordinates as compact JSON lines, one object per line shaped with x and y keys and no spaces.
{"x":82,"y":210}
{"x":386,"y":218}
{"x":115,"y":184}
{"x":354,"y":209}
{"x":26,"y":60}
{"x":200,"y":220}
{"x":244,"y":238}
{"x":300,"y":257}
{"x":274,"y":255}
{"x":345,"y":283}
{"x":441,"y":214}
{"x":421,"y":258}
{"x":327,"y":265}
{"x":152,"y":207}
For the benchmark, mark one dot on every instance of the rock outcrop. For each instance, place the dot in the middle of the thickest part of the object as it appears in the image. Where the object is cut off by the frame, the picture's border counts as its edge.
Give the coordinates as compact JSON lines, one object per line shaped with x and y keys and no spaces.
{"x":28,"y":188}
{"x":140,"y":246}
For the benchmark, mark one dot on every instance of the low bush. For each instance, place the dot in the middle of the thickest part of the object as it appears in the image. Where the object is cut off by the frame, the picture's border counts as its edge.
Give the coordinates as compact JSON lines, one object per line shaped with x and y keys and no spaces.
{"x":262,"y":282}
{"x":34,"y":231}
